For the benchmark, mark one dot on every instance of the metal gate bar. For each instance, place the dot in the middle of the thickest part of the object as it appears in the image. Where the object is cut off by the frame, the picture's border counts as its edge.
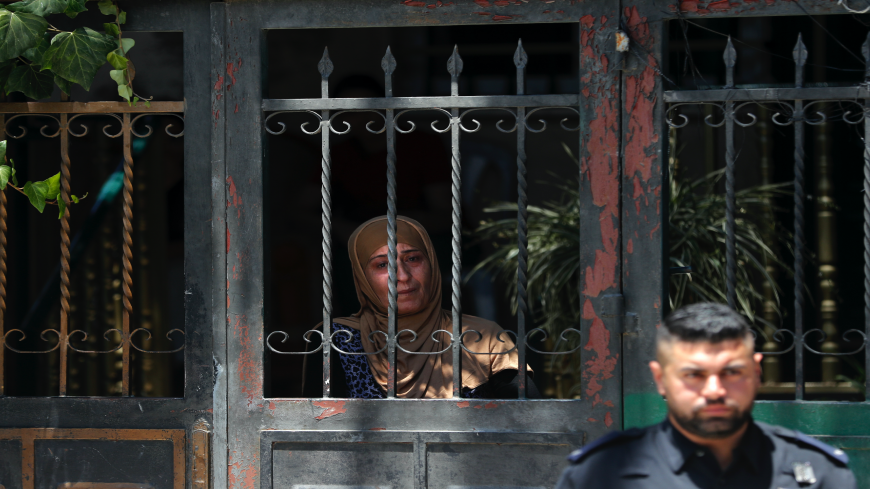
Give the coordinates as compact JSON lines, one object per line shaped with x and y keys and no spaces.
{"x":450,"y":106}
{"x":799,"y":115}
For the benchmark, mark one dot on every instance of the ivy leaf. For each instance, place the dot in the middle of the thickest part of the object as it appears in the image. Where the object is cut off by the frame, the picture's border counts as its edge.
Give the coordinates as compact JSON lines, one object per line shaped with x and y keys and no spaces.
{"x":119,"y":76}
{"x":127,"y":44}
{"x":107,"y":7}
{"x":19,"y":32}
{"x":14,"y":177}
{"x":3,"y":150}
{"x":111,"y":29}
{"x":76,"y":56}
{"x":36,"y":193}
{"x":125,"y":92}
{"x":53,"y":184}
{"x":61,"y":207}
{"x":118,"y":61}
{"x":64,"y":85}
{"x":148,"y":104}
{"x":31,"y":82}
{"x":77,"y":199}
{"x":5,"y":174}
{"x":75,"y":7}
{"x":39,"y":7}
{"x":122,"y":17}
{"x":6,"y":68}
{"x":36,"y":53}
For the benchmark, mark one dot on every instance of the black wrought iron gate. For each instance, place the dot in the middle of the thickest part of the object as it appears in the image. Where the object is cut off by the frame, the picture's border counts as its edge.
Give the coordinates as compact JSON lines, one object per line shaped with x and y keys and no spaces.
{"x":225,"y":432}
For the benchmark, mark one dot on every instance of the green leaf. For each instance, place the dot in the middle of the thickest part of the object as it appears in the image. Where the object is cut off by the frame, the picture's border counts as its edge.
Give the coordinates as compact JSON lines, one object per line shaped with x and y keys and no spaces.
{"x":31,"y":82}
{"x":77,"y":199}
{"x":119,"y":76}
{"x":148,"y":104}
{"x":76,"y":56}
{"x":53,"y":184}
{"x":14,"y":177}
{"x":117,"y":60}
{"x":125,"y":92}
{"x":127,"y":44}
{"x":122,"y":18}
{"x":36,"y":53}
{"x":3,"y":151}
{"x":19,"y":32}
{"x":135,"y":99}
{"x":6,"y":68}
{"x":61,"y":207}
{"x":75,"y":7}
{"x":65,"y":85}
{"x":39,"y":7}
{"x":111,"y":29}
{"x":107,"y":7}
{"x":36,"y":193}
{"x":5,"y":174}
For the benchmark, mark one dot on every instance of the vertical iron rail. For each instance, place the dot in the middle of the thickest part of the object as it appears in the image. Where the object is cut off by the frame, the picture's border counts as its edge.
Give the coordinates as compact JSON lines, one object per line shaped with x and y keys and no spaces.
{"x":389,"y":65}
{"x":128,"y":255}
{"x":865,"y":50}
{"x":2,"y":267}
{"x":730,"y":58}
{"x":64,"y":254}
{"x":325,"y":68}
{"x":521,"y":59}
{"x":454,"y":67}
{"x":800,"y":57}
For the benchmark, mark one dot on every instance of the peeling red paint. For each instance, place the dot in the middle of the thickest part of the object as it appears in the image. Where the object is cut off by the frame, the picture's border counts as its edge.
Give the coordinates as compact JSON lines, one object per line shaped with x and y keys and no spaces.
{"x":272,"y":406}
{"x":629,"y":248}
{"x":608,"y":419}
{"x":236,"y":198}
{"x":587,"y":20}
{"x":377,"y":429}
{"x":463,"y":404}
{"x":219,"y":82}
{"x":592,"y":420}
{"x":243,"y":475}
{"x":560,"y":11}
{"x":228,"y":239}
{"x":603,"y":19}
{"x":412,"y":3}
{"x":482,"y":13}
{"x":490,"y":405}
{"x":654,"y":230}
{"x":483,"y":3}
{"x":608,"y":403}
{"x":602,"y":366}
{"x":501,"y":3}
{"x":331,"y":408}
{"x":237,"y":109}
{"x":499,"y":18}
{"x":231,"y":69}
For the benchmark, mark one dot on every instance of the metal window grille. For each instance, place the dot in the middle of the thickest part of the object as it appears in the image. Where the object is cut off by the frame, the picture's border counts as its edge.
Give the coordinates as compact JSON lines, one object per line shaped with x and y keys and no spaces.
{"x":797,"y":106}
{"x":456,"y":107}
{"x":64,"y":114}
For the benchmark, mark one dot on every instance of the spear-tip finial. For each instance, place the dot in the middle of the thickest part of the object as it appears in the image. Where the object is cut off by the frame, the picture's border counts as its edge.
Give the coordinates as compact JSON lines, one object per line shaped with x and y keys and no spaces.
{"x":521,"y":59}
{"x":800,"y":52}
{"x":454,"y":64}
{"x":730,"y":55}
{"x":325,"y":66}
{"x":388,"y":63}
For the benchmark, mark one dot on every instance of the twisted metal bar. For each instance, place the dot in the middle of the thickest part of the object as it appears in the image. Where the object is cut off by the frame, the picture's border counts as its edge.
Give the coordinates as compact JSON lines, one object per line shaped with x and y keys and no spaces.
{"x":800,"y":57}
{"x":520,"y":61}
{"x":325,"y":68}
{"x":391,"y":230}
{"x":2,"y":269}
{"x":730,"y":58}
{"x":454,"y":67}
{"x":127,"y":259}
{"x":865,"y":50}
{"x":64,"y":251}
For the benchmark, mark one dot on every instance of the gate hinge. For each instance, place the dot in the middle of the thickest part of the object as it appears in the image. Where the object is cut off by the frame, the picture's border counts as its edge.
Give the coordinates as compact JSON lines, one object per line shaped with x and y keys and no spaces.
{"x":613,"y":306}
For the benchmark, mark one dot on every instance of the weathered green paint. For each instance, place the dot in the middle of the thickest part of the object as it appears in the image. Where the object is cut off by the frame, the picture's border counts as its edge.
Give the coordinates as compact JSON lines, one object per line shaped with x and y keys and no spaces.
{"x":858,"y":449}
{"x":643,"y":409}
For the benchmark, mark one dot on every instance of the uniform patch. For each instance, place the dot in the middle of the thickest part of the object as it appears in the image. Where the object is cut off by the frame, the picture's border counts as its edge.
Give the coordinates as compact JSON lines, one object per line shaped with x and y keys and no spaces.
{"x":803,"y":473}
{"x":577,"y":455}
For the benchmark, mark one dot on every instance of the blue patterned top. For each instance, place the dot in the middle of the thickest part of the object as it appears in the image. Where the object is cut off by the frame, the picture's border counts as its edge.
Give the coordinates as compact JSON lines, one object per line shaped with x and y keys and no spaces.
{"x":360,"y":380}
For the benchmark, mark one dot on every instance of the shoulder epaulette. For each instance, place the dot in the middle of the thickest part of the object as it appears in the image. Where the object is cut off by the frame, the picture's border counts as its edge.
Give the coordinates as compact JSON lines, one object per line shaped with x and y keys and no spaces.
{"x":577,"y":455}
{"x":833,"y":453}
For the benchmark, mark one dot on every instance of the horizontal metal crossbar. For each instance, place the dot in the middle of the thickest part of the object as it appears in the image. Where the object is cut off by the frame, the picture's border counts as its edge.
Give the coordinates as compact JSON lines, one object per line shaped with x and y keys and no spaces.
{"x":767,"y":94}
{"x":88,"y":107}
{"x":460,"y":102}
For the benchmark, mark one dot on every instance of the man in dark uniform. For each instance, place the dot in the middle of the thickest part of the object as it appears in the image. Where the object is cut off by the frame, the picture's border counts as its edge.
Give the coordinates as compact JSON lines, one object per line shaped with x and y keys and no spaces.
{"x":707,"y":371}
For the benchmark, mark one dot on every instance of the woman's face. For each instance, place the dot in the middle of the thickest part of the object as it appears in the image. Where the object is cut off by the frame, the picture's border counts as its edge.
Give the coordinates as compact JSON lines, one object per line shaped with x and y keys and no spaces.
{"x":413,"y":273}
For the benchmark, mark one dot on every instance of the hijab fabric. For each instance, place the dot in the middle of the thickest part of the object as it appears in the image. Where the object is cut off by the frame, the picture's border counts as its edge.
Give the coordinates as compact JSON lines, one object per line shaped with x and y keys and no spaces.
{"x":419,"y":376}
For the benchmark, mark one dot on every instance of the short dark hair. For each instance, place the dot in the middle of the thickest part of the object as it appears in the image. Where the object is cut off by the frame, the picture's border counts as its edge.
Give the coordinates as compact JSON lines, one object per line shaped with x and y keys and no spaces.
{"x":703,"y":322}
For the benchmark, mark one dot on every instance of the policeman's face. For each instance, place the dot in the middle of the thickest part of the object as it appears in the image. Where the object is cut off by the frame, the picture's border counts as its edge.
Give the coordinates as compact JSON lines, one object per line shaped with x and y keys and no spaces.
{"x":709,"y":387}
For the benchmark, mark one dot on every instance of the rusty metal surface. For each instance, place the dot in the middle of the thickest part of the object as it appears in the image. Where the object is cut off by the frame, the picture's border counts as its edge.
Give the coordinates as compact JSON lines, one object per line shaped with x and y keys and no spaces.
{"x":87,"y":107}
{"x":127,"y":260}
{"x":201,"y":448}
{"x":28,"y":436}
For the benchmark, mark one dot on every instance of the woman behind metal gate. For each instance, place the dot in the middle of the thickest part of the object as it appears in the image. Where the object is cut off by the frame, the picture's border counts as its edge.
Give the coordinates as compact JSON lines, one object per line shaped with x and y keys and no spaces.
{"x":421,"y":375}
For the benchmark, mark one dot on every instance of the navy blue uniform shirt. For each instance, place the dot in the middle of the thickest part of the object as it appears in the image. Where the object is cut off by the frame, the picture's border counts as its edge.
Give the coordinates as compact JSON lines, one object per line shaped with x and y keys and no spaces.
{"x":659,"y":456}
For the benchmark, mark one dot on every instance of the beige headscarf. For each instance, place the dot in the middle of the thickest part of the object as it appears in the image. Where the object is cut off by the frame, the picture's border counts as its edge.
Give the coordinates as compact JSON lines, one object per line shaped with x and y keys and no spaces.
{"x":418,"y":376}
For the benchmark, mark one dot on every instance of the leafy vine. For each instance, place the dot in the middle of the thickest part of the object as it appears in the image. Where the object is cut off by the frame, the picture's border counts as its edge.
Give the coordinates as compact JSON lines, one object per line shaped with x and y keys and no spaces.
{"x":39,"y":193}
